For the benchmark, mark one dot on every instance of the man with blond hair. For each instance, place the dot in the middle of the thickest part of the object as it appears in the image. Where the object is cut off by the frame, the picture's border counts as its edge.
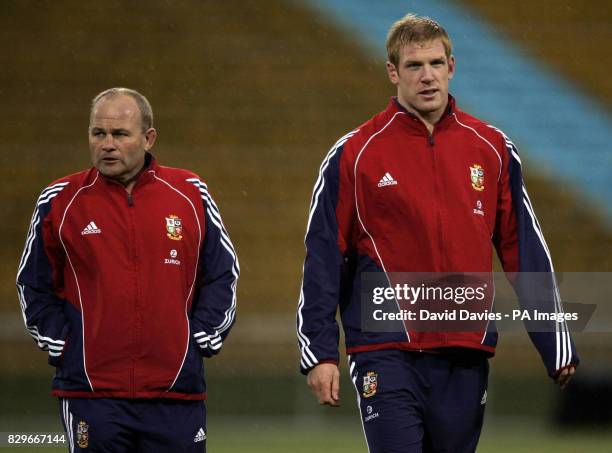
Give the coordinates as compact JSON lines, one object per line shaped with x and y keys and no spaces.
{"x":422,"y":187}
{"x":128,"y":278}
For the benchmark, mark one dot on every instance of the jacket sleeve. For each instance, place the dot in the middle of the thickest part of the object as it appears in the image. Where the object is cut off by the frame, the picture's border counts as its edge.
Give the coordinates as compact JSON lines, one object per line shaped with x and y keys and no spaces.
{"x":214,"y":307}
{"x":527,"y":262}
{"x":37,"y":283}
{"x":325,"y":241}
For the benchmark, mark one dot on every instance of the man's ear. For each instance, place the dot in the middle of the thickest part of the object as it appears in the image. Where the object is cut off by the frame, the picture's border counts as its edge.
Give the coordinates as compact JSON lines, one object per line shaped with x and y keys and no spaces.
{"x":452,"y":64}
{"x":392,"y":73}
{"x":150,"y":137}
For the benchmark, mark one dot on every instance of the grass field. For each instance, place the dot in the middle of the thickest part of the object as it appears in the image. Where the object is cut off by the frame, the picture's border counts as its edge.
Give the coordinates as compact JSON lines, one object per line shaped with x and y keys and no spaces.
{"x":276,"y":435}
{"x":26,"y":407}
{"x":346,"y":436}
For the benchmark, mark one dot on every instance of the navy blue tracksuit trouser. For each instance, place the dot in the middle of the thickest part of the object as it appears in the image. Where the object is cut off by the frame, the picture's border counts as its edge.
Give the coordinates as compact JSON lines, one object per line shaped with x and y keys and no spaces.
{"x":413,"y":402}
{"x":113,"y":425}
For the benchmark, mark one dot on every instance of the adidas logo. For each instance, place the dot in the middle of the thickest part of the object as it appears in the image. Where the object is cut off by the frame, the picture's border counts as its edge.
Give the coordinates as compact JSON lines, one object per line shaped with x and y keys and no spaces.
{"x":200,"y":437}
{"x":91,"y":228}
{"x":387,"y":180}
{"x":483,"y":400}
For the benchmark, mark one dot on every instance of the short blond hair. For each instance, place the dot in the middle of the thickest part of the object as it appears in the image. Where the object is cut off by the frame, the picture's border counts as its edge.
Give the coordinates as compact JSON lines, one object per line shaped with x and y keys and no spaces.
{"x":415,"y":29}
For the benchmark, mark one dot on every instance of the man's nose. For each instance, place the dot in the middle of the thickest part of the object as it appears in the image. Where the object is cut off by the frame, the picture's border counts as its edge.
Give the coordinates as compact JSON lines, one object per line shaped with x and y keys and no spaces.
{"x":109,"y":142}
{"x":427,"y":74}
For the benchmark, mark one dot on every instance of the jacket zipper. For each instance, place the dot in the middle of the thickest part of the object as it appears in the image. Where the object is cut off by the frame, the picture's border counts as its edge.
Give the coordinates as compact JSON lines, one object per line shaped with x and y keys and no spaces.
{"x":134,"y":261}
{"x":438,"y":214}
{"x":431,"y":142}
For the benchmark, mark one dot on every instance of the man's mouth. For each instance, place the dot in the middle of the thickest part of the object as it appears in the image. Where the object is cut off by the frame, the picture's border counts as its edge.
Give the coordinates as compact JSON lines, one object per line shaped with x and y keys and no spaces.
{"x":429,"y":92}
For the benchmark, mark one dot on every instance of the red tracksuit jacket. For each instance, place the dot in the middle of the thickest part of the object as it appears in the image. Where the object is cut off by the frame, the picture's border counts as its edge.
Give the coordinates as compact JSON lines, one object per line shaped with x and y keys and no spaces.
{"x":391,"y":197}
{"x":127,"y":293}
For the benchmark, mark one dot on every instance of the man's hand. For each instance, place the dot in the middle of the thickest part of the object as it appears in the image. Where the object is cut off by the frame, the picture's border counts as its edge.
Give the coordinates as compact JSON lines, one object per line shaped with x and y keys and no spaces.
{"x":324,"y":381}
{"x":565,"y":376}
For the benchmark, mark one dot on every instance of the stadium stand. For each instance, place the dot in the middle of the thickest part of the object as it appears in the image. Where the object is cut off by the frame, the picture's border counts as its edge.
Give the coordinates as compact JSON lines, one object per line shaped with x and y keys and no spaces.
{"x":567,"y":133}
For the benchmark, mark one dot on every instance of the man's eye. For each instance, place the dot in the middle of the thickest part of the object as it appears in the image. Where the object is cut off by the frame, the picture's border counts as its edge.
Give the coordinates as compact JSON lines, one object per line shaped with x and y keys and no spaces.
{"x":120,"y":134}
{"x":97,"y":133}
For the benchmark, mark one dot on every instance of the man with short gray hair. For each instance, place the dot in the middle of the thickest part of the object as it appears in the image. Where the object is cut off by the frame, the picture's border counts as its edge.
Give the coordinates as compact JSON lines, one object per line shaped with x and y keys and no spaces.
{"x":128,"y":278}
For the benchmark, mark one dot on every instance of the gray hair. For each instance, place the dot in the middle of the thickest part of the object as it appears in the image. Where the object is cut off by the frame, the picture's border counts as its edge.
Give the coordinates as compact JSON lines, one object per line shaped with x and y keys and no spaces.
{"x":146,"y":112}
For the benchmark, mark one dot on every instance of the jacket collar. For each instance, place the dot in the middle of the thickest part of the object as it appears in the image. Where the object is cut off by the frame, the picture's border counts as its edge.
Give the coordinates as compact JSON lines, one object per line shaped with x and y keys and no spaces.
{"x":146,"y":174}
{"x":413,"y":122}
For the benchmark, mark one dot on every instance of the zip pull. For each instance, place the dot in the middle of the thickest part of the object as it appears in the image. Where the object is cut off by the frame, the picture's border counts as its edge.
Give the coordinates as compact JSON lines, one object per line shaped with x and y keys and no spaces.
{"x":430,"y":139}
{"x":130,"y":200}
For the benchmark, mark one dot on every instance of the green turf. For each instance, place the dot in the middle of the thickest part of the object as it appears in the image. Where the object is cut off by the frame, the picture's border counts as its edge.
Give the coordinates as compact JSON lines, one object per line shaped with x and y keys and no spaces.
{"x":272,"y":435}
{"x":509,"y":426}
{"x":511,"y":437}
